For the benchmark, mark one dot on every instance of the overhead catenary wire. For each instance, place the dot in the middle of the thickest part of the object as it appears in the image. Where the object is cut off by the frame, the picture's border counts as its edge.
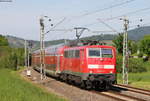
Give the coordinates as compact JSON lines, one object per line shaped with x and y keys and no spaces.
{"x":110,"y":7}
{"x":119,"y":16}
{"x":102,"y":9}
{"x":106,"y":8}
{"x":56,"y":25}
{"x":92,"y":31}
{"x":107,"y":25}
{"x":107,"y":19}
{"x":128,"y":13}
{"x":139,"y":25}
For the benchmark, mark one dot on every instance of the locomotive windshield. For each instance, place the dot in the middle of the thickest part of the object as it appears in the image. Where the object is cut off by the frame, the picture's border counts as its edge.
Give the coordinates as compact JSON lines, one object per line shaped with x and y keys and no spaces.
{"x":106,"y":53}
{"x":100,"y":52}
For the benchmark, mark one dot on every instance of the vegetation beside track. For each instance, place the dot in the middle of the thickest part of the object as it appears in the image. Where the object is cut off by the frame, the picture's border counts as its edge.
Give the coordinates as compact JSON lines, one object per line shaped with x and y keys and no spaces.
{"x":140,"y":80}
{"x":10,"y":57}
{"x":139,"y":72}
{"x":13,"y":88}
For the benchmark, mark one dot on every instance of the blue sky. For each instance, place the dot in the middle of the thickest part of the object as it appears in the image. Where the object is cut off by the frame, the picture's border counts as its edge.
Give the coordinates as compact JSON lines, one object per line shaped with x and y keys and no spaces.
{"x":20,"y":17}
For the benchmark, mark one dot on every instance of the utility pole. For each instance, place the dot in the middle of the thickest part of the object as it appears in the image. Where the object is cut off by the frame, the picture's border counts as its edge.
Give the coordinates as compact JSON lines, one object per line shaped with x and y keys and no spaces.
{"x":125,"y":52}
{"x":25,"y":53}
{"x":28,"y":56}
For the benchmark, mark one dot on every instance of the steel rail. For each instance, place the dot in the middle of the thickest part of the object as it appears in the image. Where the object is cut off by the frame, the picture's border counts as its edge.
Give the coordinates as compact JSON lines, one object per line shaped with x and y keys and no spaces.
{"x":127,"y":96}
{"x":134,"y":89}
{"x":118,"y":96}
{"x":109,"y":96}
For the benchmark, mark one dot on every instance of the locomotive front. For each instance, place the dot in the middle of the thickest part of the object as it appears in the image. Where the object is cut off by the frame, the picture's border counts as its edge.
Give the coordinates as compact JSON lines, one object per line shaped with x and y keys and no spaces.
{"x":101,"y":66}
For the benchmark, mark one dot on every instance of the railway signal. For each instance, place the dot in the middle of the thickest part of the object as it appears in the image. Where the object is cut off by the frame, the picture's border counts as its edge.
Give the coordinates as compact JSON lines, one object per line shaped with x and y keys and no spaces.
{"x":125,"y":51}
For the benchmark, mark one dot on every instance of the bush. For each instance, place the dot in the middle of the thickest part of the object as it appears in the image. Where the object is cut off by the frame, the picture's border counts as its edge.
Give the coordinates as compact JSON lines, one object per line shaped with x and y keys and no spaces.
{"x":12,"y":58}
{"x":134,"y":65}
{"x":140,"y":54}
{"x":119,"y":63}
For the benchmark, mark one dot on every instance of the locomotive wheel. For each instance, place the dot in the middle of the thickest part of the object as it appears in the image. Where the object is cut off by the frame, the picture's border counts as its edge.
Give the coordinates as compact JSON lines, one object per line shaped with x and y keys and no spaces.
{"x":107,"y":87}
{"x":69,"y":81}
{"x":82,"y":85}
{"x":104,"y":86}
{"x":64,"y":77}
{"x":88,"y":85}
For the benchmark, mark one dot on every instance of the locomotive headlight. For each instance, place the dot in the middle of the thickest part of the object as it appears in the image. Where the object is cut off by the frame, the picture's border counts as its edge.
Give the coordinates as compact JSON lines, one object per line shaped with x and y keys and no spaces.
{"x":109,"y":66}
{"x":91,"y":71}
{"x":111,"y":72}
{"x":93,"y":66}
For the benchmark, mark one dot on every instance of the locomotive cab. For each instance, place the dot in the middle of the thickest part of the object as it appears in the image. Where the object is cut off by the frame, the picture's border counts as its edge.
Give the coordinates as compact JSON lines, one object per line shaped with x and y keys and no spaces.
{"x":101,"y":60}
{"x":101,"y":65}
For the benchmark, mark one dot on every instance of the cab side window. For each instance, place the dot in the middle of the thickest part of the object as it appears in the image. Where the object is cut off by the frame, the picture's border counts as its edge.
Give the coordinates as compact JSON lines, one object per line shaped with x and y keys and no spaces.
{"x":72,"y":54}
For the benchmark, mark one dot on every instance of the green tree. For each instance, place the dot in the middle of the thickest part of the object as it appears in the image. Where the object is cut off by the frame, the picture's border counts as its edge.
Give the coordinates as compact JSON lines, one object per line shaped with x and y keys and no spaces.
{"x":145,"y":45}
{"x":3,"y":41}
{"x":118,"y":43}
{"x":132,"y":46}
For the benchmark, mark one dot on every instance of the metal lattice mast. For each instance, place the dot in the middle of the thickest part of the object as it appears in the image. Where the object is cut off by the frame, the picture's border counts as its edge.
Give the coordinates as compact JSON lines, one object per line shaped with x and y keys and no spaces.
{"x":41,"y":46}
{"x":125,"y":52}
{"x":28,"y":52}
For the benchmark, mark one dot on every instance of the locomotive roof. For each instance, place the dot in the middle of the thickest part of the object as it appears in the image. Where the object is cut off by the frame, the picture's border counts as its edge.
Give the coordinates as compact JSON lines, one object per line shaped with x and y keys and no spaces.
{"x":55,"y":46}
{"x":88,"y":46}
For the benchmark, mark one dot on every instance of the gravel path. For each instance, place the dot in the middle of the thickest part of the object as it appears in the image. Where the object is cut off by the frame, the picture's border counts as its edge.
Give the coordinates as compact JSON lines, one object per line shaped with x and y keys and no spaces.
{"x":67,"y":91}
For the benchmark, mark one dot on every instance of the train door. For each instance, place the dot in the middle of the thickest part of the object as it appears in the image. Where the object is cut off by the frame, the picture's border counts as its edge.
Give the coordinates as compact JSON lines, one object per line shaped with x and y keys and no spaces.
{"x":58,"y":64}
{"x":82,"y":59}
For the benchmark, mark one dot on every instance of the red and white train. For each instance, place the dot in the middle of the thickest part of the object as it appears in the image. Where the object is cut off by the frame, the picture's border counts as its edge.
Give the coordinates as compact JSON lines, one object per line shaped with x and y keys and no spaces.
{"x":90,"y":66}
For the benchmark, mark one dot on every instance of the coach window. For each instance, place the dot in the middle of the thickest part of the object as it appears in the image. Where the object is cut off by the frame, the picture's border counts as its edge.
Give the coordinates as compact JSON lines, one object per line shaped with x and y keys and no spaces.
{"x":77,"y":53}
{"x":71,"y":53}
{"x":65,"y":54}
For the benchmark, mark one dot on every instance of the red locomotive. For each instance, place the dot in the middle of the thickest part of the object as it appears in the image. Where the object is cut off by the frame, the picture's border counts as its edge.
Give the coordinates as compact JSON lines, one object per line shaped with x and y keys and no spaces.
{"x":90,"y":66}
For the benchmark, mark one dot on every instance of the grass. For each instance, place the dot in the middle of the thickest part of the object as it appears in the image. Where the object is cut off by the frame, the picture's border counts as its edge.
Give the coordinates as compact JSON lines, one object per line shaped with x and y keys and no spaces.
{"x":141,"y":80}
{"x":14,"y":88}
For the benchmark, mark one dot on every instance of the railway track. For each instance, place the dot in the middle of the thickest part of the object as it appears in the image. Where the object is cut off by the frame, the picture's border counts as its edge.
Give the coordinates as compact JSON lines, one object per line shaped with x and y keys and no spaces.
{"x":133,"y":93}
{"x":118,"y":96}
{"x":126,"y":93}
{"x":137,"y":90}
